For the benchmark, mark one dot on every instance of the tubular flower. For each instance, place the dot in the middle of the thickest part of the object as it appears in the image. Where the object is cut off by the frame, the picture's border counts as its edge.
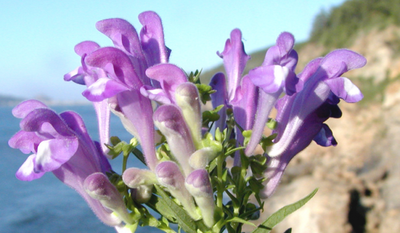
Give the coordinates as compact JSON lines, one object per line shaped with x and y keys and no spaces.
{"x":87,"y":75}
{"x":59,"y":144}
{"x":114,"y":76}
{"x":300,"y":116}
{"x":274,"y":76}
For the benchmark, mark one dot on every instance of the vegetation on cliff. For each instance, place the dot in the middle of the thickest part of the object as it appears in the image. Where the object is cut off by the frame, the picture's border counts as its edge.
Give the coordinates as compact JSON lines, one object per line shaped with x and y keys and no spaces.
{"x":338,"y":26}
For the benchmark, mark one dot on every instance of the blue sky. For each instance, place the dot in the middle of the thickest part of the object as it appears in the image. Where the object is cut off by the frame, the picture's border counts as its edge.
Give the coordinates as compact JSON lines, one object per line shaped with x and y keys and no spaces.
{"x":38,"y":37}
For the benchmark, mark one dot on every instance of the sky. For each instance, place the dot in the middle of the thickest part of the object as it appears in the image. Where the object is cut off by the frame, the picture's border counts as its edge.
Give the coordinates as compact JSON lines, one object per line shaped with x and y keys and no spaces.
{"x":38,"y":37}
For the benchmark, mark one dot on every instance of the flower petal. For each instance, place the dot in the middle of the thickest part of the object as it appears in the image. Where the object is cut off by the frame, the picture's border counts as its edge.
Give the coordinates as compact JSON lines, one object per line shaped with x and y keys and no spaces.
{"x":26,"y":171}
{"x":345,"y":89}
{"x":122,"y":33}
{"x":235,"y":59}
{"x":219,"y":97}
{"x":325,"y":137}
{"x":340,"y":61}
{"x":46,"y":122}
{"x":86,"y":47}
{"x":170,"y":76}
{"x":285,"y":43}
{"x":104,"y":88}
{"x":25,"y":107}
{"x":155,"y":94}
{"x":269,"y":78}
{"x":27,"y":142}
{"x":169,"y":120}
{"x":152,"y":38}
{"x":117,"y":64}
{"x":53,"y":153}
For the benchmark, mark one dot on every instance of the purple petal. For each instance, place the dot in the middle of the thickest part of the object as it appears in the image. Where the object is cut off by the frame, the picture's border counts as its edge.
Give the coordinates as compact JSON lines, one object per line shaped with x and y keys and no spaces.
{"x":134,"y":177}
{"x":290,"y":83}
{"x":274,"y":173}
{"x":285,"y":43}
{"x":138,"y":110}
{"x":169,"y":175}
{"x":103,"y":120}
{"x":170,"y":76}
{"x":340,"y":61}
{"x":307,"y":72}
{"x":155,"y":94}
{"x":26,"y":171}
{"x":266,"y":102}
{"x":235,"y":59}
{"x":86,"y":47}
{"x":325,"y":137}
{"x":269,"y":78}
{"x":187,"y":98}
{"x":51,"y":154}
{"x":344,"y":89}
{"x":170,"y":122}
{"x":96,"y":157}
{"x":45,"y":121}
{"x":25,"y":107}
{"x":116,"y":63}
{"x":272,"y":56}
{"x":27,"y":142}
{"x":104,"y":88}
{"x":125,"y":37}
{"x":302,"y":106}
{"x":220,"y":97}
{"x":77,"y":76}
{"x":152,"y":38}
{"x":122,"y":33}
{"x":98,"y":186}
{"x":198,"y":183}
{"x":244,"y":106}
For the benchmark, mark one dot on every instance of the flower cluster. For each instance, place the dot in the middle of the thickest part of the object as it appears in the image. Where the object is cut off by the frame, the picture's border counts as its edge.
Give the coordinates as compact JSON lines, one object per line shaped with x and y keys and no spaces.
{"x":185,"y":148}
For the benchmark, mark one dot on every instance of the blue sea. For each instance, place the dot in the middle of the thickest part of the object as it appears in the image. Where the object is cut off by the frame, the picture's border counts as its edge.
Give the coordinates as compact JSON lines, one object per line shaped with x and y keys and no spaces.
{"x":46,"y":204}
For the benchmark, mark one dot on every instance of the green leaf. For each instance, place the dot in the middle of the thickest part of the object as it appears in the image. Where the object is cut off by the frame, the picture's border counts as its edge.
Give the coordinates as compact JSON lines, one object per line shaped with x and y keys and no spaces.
{"x":168,"y":208}
{"x":272,"y":124}
{"x":288,"y":230}
{"x":240,"y":220}
{"x":279,"y":215}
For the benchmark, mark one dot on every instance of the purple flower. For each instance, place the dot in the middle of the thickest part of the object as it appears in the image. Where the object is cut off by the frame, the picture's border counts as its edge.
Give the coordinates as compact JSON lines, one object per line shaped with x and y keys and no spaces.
{"x":235,"y":59}
{"x":88,"y":75}
{"x":300,"y":116}
{"x":100,"y":188}
{"x":188,"y":100}
{"x":198,"y":184}
{"x":220,"y":97}
{"x":141,"y":181}
{"x":170,"y":176}
{"x":116,"y":74}
{"x":169,"y":120}
{"x":169,"y":77}
{"x":274,"y":76}
{"x":241,"y":93}
{"x":59,"y":144}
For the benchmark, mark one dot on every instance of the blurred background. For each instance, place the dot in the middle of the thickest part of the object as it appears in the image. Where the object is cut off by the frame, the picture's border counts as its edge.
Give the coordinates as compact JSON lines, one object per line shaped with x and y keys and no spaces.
{"x":358,"y":180}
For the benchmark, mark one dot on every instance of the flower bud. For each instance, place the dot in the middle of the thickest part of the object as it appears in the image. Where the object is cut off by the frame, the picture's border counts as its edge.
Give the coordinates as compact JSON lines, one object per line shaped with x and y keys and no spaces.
{"x":170,"y":176}
{"x":187,"y":98}
{"x":198,"y":184}
{"x":169,"y":120}
{"x":100,"y":188}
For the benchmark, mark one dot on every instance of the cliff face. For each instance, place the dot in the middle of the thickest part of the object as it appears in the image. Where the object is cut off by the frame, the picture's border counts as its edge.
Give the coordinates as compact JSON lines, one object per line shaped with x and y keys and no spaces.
{"x":359,"y":180}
